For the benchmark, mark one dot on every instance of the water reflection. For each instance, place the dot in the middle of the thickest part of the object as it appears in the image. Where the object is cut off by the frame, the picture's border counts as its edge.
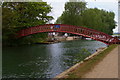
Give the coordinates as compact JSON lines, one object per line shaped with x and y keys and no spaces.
{"x":55,"y":51}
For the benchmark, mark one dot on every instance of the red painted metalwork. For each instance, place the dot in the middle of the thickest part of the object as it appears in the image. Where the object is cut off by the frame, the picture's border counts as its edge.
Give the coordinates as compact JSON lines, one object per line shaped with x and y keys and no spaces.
{"x":83,"y":31}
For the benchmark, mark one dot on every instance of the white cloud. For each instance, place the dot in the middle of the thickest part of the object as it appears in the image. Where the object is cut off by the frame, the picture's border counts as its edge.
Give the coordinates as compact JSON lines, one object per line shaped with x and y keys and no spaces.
{"x":116,"y":29}
{"x":57,"y":9}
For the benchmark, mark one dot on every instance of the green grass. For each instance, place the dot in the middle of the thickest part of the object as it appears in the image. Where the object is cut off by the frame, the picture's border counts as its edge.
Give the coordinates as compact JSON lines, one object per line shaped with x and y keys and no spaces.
{"x":89,"y":65}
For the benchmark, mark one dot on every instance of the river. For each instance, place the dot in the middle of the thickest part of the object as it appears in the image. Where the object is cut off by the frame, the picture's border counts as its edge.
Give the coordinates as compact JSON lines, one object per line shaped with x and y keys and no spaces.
{"x":43,"y":60}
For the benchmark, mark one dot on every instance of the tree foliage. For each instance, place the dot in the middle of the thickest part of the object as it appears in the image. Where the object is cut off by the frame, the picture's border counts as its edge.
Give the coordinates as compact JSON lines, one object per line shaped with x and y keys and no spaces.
{"x":20,"y":15}
{"x":99,"y":20}
{"x":77,"y":14}
{"x":72,"y":13}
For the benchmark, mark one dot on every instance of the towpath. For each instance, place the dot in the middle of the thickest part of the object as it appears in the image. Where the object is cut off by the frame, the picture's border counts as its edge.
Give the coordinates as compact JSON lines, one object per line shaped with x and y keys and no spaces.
{"x":107,"y":68}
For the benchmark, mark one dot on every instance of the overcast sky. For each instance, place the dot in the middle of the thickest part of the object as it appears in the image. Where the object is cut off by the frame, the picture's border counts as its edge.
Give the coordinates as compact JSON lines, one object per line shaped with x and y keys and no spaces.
{"x":109,"y":5}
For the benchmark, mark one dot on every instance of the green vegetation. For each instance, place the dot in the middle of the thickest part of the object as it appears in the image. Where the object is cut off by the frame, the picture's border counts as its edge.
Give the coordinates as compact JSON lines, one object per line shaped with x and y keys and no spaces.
{"x":21,"y":15}
{"x":82,"y":55}
{"x":77,"y":57}
{"x":76,"y":13}
{"x":72,"y":13}
{"x":88,"y":65}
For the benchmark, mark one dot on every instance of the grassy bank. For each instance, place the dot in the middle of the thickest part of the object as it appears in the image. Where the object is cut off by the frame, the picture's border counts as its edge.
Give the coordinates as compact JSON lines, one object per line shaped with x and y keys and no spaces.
{"x":89,"y":65}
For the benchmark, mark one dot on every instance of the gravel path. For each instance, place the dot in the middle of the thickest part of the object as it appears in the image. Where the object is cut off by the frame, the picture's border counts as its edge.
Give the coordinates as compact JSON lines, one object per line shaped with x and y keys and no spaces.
{"x":107,"y":68}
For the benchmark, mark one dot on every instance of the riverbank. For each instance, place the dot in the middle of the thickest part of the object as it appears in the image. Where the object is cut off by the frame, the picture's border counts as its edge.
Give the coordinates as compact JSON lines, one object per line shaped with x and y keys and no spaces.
{"x":80,"y":69}
{"x":63,"y":39}
{"x":59,"y":39}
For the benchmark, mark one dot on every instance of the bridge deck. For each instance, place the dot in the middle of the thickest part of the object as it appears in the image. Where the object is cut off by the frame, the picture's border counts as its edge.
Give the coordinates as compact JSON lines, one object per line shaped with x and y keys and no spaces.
{"x":83,"y":31}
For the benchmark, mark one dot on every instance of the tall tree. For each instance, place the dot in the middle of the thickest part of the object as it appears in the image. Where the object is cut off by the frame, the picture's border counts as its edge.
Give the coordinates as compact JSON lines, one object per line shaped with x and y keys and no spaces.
{"x":19,"y":15}
{"x":77,"y":14}
{"x":72,"y":13}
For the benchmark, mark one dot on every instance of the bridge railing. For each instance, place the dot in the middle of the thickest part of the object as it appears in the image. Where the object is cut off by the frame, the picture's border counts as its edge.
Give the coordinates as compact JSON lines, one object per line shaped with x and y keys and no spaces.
{"x":91,"y":33}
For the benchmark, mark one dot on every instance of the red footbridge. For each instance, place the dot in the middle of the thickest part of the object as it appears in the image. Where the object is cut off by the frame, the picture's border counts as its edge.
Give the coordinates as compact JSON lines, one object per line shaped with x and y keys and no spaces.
{"x":78,"y":30}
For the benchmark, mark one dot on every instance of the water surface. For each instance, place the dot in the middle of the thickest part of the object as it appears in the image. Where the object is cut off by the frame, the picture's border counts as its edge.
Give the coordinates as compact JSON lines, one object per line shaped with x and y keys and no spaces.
{"x":43,"y":61}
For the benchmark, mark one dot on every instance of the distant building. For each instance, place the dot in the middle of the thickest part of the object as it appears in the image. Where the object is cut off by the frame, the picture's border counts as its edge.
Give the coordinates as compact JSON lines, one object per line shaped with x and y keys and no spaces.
{"x":116,"y":33}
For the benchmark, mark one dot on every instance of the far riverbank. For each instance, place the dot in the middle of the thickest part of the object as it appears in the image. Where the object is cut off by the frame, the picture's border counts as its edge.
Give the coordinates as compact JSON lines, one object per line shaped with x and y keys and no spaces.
{"x":58,"y":39}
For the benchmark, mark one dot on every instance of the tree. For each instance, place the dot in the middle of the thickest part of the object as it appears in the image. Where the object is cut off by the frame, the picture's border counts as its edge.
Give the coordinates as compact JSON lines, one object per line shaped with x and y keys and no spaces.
{"x":72,"y":13}
{"x":20,"y":15}
{"x":59,"y":20}
{"x":77,"y":14}
{"x":100,"y":20}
